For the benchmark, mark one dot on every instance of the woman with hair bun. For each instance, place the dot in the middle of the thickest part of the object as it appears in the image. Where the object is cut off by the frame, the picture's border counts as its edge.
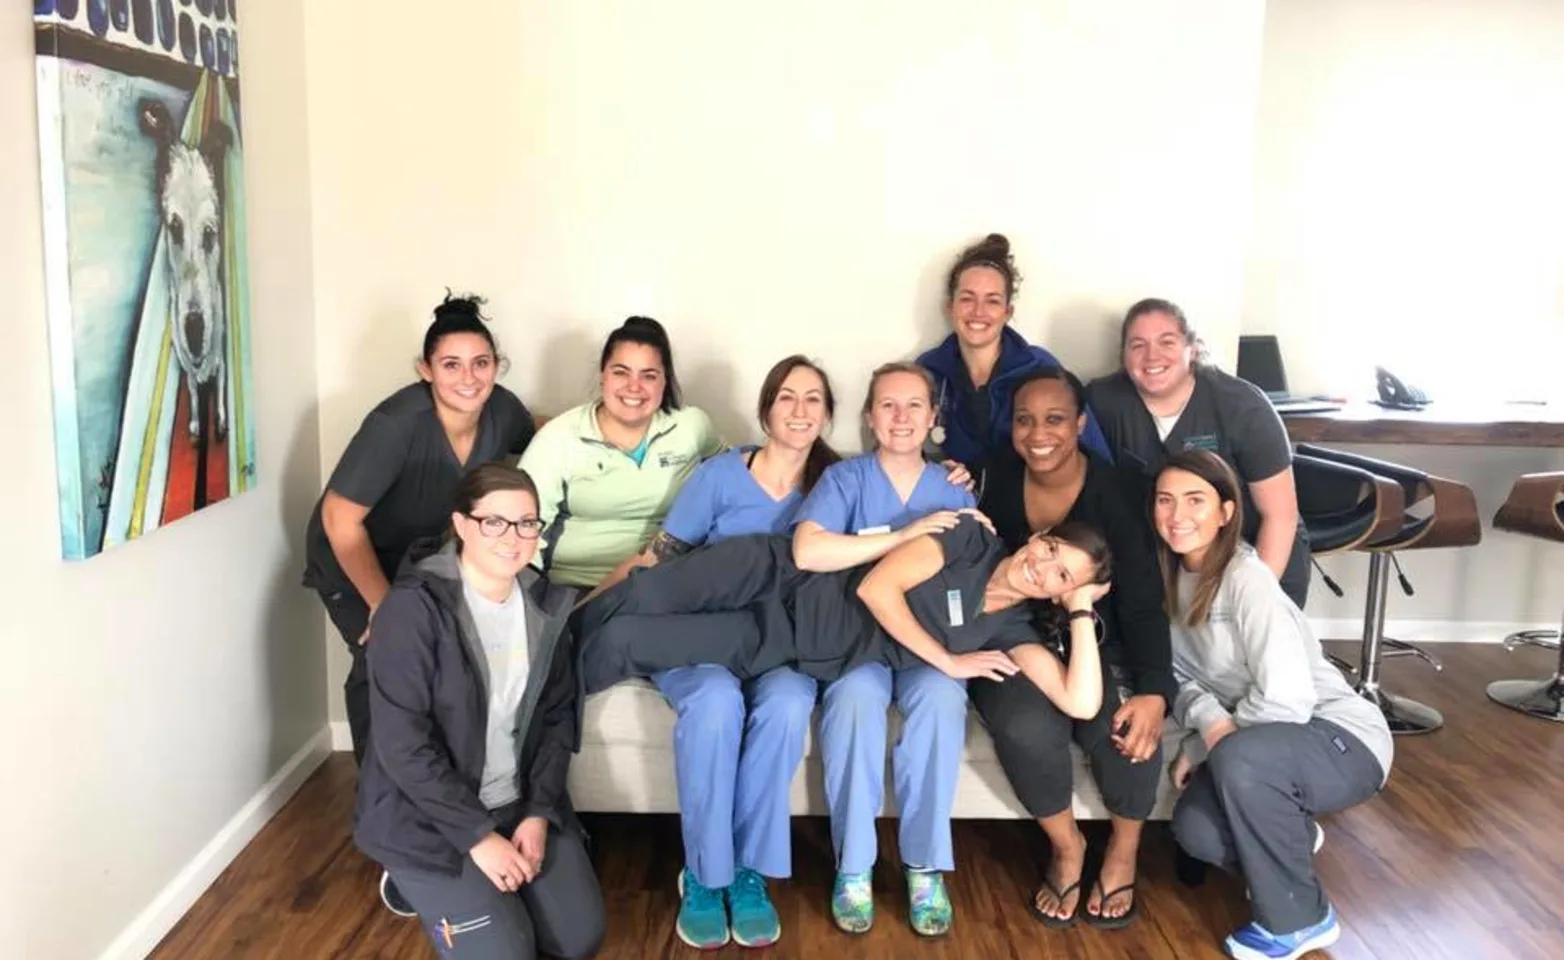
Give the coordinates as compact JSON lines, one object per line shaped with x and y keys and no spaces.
{"x":395,"y":481}
{"x":977,"y":367}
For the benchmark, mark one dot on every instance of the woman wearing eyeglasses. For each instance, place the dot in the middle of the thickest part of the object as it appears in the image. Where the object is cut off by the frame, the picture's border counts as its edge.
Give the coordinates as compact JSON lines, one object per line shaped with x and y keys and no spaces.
{"x":473,"y":699}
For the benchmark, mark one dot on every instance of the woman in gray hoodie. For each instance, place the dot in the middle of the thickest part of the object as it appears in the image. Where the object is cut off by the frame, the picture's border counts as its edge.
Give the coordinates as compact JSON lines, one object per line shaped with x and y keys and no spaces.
{"x":1275,"y":736}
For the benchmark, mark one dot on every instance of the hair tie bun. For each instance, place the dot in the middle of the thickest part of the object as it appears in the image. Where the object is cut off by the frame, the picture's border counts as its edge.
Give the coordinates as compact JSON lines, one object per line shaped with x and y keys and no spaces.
{"x":646,"y":323}
{"x":466,"y":306}
{"x":997,"y":242}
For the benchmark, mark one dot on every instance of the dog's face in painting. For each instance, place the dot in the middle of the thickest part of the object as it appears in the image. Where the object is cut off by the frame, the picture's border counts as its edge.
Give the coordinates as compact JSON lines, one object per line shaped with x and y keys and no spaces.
{"x":189,"y":192}
{"x":189,"y":189}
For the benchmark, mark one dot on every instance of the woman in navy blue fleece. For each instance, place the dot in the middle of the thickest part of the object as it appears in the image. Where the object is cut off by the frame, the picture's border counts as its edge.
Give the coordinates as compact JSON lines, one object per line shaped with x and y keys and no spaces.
{"x":976,"y":368}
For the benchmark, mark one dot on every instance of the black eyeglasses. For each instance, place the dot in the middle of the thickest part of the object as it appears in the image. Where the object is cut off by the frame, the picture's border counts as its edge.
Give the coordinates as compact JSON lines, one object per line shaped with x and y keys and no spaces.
{"x":492,"y":526}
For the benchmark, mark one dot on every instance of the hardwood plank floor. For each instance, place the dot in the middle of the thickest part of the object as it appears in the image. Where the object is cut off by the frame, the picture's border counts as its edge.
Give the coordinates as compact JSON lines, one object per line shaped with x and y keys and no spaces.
{"x":1461,"y":857}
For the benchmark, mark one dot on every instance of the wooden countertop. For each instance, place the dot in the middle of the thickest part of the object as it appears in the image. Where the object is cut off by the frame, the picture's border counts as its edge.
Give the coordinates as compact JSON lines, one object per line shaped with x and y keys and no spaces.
{"x":1441,"y":424}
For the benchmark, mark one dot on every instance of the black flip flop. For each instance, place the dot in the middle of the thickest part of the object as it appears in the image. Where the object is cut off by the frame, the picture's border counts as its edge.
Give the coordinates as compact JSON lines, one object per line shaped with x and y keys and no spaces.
{"x":1052,"y":922}
{"x":1112,"y":923}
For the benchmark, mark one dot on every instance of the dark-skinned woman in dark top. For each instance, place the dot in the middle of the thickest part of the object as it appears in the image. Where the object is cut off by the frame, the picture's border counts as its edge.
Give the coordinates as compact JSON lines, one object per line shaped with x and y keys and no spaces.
{"x":1047,"y":481}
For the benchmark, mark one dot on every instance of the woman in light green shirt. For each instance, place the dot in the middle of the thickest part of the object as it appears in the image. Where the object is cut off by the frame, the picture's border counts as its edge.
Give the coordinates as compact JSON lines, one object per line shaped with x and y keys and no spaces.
{"x":607,"y":471}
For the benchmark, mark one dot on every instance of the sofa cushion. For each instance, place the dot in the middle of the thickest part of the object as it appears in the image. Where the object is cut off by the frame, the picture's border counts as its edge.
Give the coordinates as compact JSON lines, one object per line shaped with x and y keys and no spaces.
{"x":626,"y":764}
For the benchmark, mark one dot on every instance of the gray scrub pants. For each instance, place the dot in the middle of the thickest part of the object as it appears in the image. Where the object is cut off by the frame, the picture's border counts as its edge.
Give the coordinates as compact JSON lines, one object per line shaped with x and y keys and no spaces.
{"x":559,"y":914}
{"x":1251,"y":805}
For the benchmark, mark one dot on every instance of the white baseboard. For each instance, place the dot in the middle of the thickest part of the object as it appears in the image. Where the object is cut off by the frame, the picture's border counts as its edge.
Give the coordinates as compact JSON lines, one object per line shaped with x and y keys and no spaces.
{"x":341,"y":736}
{"x":1428,"y":631}
{"x":143,"y":934}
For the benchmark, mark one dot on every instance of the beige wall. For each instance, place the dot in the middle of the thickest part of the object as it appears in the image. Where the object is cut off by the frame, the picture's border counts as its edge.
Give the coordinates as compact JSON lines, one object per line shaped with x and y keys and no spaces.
{"x":765,"y":184}
{"x":150,"y":691}
{"x":1407,"y":202}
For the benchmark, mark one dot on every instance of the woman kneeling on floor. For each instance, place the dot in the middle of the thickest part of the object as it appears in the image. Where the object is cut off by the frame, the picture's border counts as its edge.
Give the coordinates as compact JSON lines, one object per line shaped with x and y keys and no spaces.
{"x":474,"y":720}
{"x":1276,"y":736}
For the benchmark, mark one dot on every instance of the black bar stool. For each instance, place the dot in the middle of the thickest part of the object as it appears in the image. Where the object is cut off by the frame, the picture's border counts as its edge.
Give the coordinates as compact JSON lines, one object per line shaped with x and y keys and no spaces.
{"x":1450,"y":521}
{"x":1344,"y":508}
{"x":1535,"y":508}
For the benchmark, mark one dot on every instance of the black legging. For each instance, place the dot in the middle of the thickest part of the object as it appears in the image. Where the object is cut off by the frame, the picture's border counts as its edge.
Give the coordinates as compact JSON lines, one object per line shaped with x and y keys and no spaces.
{"x":727,"y":603}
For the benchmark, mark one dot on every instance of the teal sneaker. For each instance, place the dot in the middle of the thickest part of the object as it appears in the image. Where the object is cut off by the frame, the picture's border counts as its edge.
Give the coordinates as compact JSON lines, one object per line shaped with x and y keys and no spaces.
{"x":755,"y":920}
{"x":703,"y":917}
{"x":852,"y":902}
{"x":931,"y":912}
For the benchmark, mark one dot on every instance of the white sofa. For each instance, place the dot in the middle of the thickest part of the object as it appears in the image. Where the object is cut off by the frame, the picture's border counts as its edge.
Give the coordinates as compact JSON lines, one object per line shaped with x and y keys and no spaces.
{"x":626,"y":765}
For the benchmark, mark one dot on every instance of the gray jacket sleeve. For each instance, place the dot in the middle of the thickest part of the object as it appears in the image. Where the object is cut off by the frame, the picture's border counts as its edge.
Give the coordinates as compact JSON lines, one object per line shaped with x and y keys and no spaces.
{"x":1272,"y":635}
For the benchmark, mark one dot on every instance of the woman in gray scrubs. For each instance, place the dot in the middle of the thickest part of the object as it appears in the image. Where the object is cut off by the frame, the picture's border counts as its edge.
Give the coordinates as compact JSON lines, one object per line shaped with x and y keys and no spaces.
{"x":1166,"y":399}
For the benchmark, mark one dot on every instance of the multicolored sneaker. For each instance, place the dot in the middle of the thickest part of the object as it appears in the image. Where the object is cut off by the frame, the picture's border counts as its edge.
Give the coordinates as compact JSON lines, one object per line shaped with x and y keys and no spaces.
{"x":852,"y":902}
{"x":703,"y":917}
{"x":755,"y":920}
{"x":931,"y":912}
{"x":1254,"y":942}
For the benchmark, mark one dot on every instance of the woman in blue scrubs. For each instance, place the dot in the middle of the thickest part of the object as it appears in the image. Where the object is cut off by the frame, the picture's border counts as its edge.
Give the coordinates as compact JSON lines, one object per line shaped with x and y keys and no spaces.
{"x":863,"y":508}
{"x":737,"y":744}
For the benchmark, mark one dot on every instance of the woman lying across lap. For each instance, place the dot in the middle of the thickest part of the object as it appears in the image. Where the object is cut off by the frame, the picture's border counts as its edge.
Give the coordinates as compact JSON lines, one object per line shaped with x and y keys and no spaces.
{"x":955,"y":599}
{"x":472,"y":693}
{"x":1276,"y":737}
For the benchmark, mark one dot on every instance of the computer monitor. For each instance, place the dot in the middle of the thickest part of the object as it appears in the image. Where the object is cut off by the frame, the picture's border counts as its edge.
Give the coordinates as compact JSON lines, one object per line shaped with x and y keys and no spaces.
{"x":1260,"y":362}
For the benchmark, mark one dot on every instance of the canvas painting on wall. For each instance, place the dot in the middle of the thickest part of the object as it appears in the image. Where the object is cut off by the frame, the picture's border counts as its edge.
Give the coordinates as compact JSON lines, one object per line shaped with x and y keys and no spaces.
{"x":142,"y":170}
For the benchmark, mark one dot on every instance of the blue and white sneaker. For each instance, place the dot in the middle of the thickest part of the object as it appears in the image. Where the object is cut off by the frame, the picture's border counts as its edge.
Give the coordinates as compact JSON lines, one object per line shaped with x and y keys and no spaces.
{"x":1254,"y":942}
{"x":754,"y":920}
{"x":703,"y":916}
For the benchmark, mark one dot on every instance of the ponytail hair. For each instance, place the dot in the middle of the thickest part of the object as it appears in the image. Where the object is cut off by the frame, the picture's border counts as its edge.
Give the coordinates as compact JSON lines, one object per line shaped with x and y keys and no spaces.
{"x":648,"y":333}
{"x":1201,"y":353}
{"x":821,"y":455}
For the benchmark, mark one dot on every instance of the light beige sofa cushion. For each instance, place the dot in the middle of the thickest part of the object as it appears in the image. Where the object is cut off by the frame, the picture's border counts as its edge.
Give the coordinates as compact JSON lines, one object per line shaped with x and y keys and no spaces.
{"x":626,"y":764}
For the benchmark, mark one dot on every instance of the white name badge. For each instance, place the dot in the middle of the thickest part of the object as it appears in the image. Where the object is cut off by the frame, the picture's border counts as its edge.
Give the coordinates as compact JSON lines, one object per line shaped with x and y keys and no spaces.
{"x":871,"y":531}
{"x":953,"y":605}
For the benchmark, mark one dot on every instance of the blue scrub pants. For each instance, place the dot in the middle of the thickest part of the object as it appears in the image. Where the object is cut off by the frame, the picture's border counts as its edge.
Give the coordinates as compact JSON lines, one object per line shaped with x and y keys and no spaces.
{"x":736,"y":746}
{"x":924,"y":764}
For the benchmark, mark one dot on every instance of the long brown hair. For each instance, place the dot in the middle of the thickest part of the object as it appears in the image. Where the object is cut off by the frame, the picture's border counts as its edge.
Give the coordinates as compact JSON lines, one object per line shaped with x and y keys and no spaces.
{"x":1215,"y":471}
{"x":820,"y":453}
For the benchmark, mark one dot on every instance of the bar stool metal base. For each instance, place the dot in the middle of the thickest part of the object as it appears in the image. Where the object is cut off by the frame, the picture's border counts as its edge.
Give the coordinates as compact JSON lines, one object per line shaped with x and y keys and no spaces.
{"x":1405,"y":717}
{"x":1540,"y":698}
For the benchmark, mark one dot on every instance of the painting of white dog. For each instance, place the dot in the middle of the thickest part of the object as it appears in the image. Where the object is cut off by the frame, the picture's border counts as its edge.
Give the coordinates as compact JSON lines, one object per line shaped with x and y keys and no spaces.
{"x":142,"y":163}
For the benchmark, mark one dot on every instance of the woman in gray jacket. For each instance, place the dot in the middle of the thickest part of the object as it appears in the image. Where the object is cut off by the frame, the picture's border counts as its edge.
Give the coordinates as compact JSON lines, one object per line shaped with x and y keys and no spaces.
{"x":1275,"y":736}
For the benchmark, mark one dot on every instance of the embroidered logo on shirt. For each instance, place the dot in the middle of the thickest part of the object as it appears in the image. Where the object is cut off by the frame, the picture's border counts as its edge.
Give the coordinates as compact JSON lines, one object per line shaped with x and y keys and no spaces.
{"x":666,"y":460}
{"x":953,"y":604}
{"x":1206,"y":441}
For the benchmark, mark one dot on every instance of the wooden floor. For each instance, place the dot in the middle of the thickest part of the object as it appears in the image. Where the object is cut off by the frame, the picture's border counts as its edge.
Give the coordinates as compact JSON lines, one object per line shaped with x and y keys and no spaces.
{"x":1462,"y":857}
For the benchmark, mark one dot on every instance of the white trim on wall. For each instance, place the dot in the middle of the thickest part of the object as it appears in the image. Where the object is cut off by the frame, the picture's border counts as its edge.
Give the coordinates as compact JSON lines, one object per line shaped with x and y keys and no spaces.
{"x":341,"y":736}
{"x":153,"y":924}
